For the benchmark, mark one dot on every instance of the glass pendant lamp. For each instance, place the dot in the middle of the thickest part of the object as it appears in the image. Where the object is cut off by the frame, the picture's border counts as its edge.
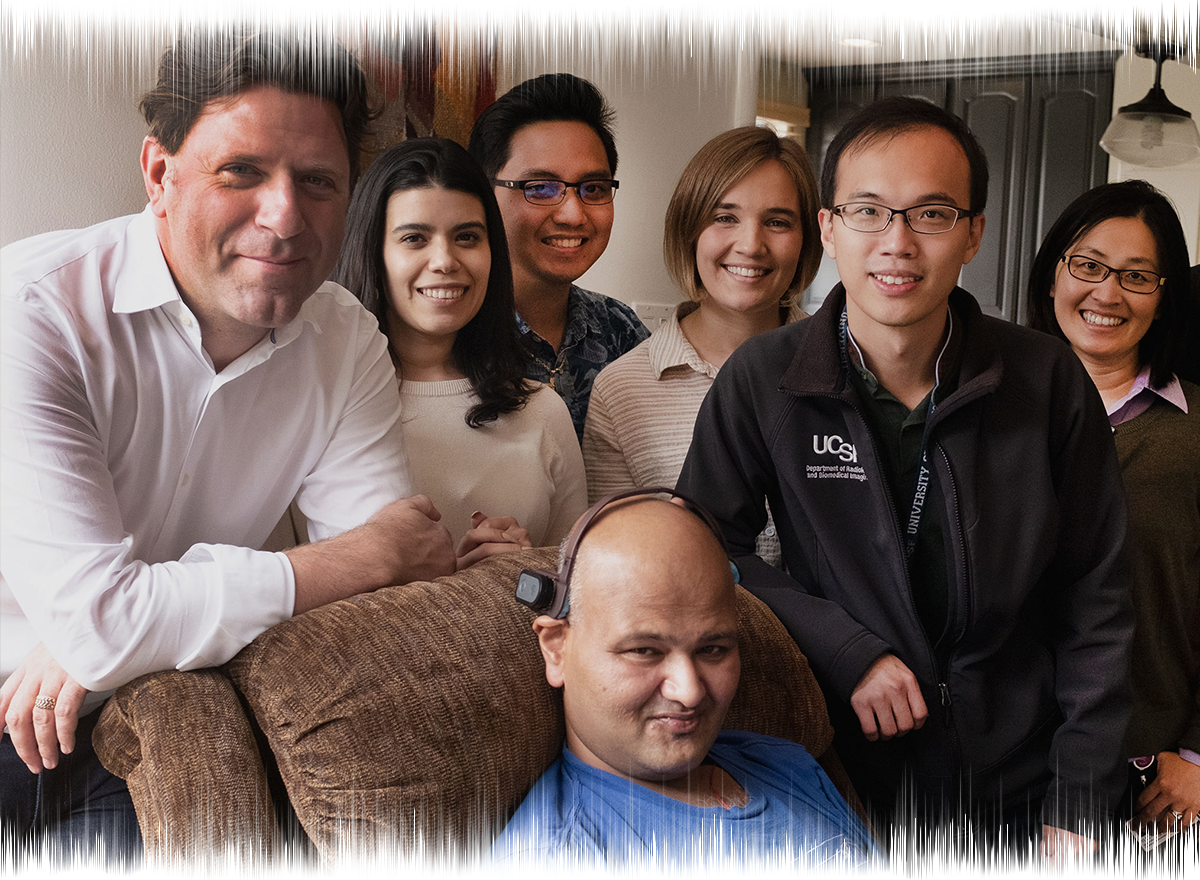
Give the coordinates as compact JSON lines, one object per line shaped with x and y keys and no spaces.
{"x":1152,"y":132}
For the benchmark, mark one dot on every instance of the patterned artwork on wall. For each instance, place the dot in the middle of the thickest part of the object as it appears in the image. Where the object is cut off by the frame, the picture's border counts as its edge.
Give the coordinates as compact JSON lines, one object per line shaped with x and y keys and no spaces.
{"x":437,"y":64}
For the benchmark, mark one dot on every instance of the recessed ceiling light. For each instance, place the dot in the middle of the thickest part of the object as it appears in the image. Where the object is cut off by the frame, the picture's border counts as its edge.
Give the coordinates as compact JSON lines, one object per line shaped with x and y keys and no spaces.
{"x":859,"y":42}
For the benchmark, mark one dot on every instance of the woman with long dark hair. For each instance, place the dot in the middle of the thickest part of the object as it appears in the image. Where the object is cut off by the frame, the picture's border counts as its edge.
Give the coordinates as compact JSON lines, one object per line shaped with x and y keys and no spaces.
{"x":425,"y":251}
{"x":1111,"y":279}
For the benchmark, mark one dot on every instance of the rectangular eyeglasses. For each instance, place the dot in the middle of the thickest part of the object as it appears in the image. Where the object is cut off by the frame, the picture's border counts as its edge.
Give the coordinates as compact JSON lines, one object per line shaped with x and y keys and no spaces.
{"x":551,"y":192}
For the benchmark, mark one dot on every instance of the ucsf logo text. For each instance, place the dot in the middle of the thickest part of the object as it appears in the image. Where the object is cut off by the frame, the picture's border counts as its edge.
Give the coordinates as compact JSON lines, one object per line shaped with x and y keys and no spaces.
{"x":834,"y":445}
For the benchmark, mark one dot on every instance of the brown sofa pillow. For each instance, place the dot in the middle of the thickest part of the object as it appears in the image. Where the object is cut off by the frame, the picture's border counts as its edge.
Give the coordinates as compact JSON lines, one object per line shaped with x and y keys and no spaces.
{"x":421,"y":714}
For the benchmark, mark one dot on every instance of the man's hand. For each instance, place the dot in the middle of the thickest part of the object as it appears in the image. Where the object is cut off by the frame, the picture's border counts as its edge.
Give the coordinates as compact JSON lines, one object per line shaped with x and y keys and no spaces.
{"x":1173,"y":798}
{"x":403,"y":542}
{"x":888,"y":700}
{"x":489,"y":535}
{"x":412,"y":541}
{"x":1061,"y":847}
{"x":39,"y":733}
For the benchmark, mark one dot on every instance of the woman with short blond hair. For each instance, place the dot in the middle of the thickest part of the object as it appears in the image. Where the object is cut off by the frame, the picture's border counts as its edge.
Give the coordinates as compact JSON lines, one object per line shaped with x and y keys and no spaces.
{"x":742,"y":243}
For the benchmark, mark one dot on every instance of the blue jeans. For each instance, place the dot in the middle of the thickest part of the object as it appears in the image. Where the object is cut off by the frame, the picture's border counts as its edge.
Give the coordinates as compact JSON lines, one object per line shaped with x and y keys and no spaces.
{"x":78,"y":809}
{"x":1002,"y":845}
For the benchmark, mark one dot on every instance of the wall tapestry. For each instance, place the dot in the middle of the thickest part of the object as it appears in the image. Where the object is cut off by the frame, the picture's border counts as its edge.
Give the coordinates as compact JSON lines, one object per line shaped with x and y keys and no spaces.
{"x":437,"y":64}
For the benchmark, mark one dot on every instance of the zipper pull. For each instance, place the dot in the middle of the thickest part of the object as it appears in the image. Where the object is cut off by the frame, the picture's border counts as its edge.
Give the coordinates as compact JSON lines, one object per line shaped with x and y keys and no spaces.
{"x":946,"y":702}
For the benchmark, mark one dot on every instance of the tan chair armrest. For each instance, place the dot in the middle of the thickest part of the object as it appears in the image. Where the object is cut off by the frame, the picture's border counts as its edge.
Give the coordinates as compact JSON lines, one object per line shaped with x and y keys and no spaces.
{"x":183,"y":745}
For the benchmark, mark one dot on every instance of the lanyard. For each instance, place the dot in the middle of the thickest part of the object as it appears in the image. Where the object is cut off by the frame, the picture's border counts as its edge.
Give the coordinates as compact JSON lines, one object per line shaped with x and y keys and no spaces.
{"x":922,"y":488}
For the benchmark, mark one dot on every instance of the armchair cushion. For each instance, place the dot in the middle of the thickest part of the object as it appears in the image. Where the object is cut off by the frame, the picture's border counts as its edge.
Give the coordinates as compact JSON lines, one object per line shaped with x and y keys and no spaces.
{"x":420,"y":714}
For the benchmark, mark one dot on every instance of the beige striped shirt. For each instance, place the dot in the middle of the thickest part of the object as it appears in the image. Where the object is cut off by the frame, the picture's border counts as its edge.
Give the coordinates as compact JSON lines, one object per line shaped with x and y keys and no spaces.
{"x":643,"y":409}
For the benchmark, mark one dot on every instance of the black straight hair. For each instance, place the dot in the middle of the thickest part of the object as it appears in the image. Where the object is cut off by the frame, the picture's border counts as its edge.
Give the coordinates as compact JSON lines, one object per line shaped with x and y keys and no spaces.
{"x":1169,"y":345}
{"x":552,"y":97}
{"x":888,"y":117}
{"x":487,"y":349}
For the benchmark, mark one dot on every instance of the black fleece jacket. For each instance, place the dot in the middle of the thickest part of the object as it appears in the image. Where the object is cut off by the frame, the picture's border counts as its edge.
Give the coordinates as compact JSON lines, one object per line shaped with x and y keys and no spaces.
{"x":1027,"y":686}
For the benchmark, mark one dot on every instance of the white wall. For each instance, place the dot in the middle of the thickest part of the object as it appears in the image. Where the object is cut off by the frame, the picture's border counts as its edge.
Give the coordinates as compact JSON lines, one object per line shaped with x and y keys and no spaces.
{"x":665,"y":111}
{"x":1133,"y":79}
{"x":70,"y":136}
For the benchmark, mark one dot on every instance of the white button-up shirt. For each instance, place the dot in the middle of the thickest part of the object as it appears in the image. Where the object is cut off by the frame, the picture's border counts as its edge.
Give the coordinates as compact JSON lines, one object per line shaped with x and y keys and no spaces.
{"x":134,"y":477}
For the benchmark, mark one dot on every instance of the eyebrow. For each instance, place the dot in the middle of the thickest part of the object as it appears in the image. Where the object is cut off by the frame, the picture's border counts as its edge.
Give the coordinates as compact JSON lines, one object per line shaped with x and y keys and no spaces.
{"x":720,"y":635}
{"x":543,"y":174}
{"x":426,"y":227}
{"x":1095,"y":251}
{"x":734,"y":206}
{"x":930,"y":198}
{"x":257,"y":160}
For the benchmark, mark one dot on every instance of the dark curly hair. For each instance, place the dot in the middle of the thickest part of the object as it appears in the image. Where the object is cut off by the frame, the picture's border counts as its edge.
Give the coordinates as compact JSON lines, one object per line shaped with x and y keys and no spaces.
{"x":487,"y":349}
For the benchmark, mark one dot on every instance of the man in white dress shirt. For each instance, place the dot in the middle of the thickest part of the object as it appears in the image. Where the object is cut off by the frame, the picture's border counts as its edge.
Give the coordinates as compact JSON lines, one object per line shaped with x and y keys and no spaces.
{"x":169,"y":382}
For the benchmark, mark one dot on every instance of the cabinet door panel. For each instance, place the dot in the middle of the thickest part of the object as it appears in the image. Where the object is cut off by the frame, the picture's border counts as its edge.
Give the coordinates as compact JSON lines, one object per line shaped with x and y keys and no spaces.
{"x":1069,"y":114}
{"x":829,"y":111}
{"x":933,"y":90}
{"x":996,"y":109}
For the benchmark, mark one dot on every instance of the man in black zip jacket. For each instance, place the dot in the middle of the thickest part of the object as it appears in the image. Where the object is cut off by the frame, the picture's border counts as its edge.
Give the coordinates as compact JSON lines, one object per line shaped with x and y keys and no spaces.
{"x":948,"y":502}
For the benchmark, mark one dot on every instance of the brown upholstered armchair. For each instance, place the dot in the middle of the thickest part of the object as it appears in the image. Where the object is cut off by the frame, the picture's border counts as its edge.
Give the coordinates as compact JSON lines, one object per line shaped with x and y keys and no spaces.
{"x":413,"y":716}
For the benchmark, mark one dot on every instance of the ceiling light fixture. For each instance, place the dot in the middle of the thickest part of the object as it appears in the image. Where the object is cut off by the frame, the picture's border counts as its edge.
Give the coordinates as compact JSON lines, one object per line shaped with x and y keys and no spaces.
{"x":1153,"y":132}
{"x":860,"y":42}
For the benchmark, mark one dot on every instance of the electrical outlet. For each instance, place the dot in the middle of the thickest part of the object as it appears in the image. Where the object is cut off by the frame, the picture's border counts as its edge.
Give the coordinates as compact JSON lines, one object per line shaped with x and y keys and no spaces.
{"x":653,"y":315}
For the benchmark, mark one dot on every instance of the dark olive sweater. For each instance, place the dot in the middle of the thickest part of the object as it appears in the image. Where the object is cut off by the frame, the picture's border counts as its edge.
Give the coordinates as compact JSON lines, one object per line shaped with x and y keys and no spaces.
{"x":1160,"y":463}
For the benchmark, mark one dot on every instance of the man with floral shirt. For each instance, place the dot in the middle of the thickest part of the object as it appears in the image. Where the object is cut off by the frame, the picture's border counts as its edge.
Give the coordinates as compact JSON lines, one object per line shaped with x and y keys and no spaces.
{"x":547,"y":146}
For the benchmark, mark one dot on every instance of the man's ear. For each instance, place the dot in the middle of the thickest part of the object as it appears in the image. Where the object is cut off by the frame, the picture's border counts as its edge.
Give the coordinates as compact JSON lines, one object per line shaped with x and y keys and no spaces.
{"x":977,"y":224}
{"x":825,"y":218}
{"x":552,"y":636}
{"x":154,"y":174}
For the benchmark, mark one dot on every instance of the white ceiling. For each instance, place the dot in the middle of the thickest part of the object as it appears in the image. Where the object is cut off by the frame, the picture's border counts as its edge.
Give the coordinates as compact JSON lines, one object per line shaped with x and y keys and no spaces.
{"x":807,"y":31}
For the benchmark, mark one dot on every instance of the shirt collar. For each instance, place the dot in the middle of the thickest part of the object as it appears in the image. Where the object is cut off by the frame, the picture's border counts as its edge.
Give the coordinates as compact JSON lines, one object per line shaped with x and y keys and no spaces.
{"x":580,"y":321}
{"x":144,"y":282}
{"x":946,"y":367}
{"x":1141,"y":395}
{"x":668,"y":347}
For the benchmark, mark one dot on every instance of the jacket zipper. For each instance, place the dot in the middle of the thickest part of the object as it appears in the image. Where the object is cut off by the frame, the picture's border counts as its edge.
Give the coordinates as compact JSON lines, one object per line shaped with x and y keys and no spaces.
{"x":934,"y":661}
{"x":965,"y":596}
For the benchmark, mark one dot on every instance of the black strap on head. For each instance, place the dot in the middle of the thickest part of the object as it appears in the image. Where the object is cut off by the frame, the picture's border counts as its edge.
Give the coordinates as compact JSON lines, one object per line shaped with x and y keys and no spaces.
{"x":548,"y":592}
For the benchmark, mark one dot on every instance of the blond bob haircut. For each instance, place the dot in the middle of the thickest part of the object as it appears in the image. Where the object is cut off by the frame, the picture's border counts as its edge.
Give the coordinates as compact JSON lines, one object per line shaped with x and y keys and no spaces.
{"x":716,"y":168}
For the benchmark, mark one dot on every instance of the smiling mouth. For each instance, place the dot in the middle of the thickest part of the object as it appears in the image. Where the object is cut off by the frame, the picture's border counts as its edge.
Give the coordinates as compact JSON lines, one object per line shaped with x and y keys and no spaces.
{"x":563,"y":242}
{"x":1098,"y":320}
{"x":745,"y":271}
{"x":442,"y":293}
{"x":896,"y":280}
{"x":274,"y":261}
{"x":679,"y":725}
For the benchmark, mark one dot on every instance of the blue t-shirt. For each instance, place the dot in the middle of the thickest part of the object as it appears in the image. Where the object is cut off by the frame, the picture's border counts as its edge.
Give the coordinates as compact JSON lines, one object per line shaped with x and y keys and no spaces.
{"x":793,"y":812}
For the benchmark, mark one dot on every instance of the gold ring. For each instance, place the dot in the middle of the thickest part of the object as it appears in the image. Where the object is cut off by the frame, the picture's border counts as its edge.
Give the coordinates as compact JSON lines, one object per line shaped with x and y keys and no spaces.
{"x":45,"y":702}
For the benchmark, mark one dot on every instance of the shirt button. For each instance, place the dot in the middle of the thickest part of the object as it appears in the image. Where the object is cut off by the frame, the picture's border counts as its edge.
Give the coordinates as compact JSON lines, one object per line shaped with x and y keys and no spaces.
{"x":186,"y":477}
{"x":187,"y":320}
{"x":769,"y":531}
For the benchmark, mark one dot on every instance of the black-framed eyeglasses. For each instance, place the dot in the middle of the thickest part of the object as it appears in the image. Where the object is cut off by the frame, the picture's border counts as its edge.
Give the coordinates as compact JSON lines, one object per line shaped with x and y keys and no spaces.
{"x":548,"y":193}
{"x":929,"y":219}
{"x":1093,"y":271}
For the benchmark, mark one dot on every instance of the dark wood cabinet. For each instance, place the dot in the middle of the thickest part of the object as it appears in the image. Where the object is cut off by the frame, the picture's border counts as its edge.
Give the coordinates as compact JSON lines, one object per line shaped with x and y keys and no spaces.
{"x":1039,"y":120}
